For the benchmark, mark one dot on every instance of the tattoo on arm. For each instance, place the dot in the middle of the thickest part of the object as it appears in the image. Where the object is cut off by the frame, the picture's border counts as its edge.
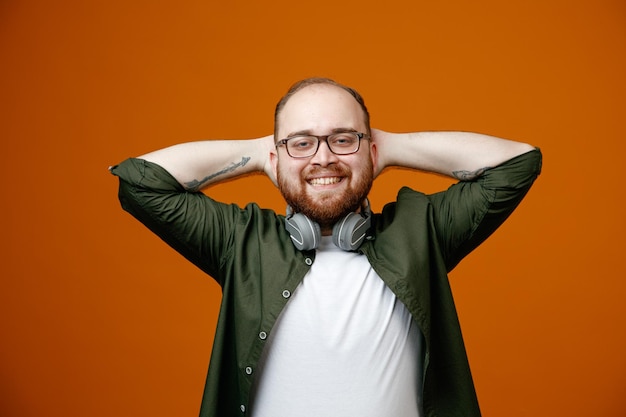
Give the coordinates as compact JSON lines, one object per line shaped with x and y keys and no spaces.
{"x":469,"y":175}
{"x":196,"y":185}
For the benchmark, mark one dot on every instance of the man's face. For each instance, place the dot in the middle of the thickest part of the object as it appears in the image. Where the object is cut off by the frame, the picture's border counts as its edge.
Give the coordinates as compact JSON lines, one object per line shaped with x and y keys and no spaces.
{"x":324,"y":187}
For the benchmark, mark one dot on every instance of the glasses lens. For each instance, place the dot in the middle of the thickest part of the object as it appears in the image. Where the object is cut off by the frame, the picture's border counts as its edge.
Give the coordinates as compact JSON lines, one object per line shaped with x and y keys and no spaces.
{"x":301,"y":146}
{"x":343,"y":143}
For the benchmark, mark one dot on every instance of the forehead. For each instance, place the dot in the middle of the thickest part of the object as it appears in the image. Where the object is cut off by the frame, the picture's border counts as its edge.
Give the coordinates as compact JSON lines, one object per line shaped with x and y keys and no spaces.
{"x":318,"y":109}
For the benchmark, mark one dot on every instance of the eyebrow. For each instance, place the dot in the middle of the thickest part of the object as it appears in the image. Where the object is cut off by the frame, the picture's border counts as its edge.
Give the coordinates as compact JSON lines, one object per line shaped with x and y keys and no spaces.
{"x":307,"y":132}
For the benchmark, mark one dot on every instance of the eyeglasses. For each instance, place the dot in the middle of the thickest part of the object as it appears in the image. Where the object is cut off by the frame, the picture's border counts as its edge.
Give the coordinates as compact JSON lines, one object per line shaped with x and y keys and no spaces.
{"x":305,"y":146}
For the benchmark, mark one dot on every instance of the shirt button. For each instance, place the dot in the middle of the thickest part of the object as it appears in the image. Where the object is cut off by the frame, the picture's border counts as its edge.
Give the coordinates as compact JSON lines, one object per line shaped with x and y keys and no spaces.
{"x":308,"y":261}
{"x":248,"y":370}
{"x":286,"y":294}
{"x":242,"y":408}
{"x":262,"y":335}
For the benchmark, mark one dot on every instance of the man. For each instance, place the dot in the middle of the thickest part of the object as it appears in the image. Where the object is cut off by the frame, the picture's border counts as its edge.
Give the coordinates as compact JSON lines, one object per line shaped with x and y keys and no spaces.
{"x":333,"y":310}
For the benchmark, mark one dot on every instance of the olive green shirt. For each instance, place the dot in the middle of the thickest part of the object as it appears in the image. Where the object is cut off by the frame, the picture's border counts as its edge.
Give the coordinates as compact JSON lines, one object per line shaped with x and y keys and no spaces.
{"x":412,"y":246}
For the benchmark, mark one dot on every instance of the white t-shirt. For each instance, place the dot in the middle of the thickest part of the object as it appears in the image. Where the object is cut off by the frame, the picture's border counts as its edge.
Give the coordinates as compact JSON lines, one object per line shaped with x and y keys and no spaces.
{"x":343,"y":346}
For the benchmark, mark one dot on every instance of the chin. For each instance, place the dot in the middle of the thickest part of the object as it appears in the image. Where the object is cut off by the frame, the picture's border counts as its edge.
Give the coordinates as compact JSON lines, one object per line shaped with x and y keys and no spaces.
{"x":325,"y":207}
{"x":330,"y":208}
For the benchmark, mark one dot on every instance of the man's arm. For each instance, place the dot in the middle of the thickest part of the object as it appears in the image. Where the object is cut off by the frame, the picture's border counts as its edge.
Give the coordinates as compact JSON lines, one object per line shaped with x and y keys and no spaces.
{"x":495,"y":176}
{"x":160,"y":189}
{"x":461,"y":155}
{"x":196,"y":165}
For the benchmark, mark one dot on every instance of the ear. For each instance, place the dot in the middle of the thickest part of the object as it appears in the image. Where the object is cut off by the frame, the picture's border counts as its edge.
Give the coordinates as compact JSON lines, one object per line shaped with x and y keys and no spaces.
{"x":374,"y":156}
{"x":274,"y":165}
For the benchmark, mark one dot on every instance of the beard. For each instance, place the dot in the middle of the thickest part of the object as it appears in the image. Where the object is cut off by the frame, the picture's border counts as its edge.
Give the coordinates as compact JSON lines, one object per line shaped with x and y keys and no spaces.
{"x":328,"y":208}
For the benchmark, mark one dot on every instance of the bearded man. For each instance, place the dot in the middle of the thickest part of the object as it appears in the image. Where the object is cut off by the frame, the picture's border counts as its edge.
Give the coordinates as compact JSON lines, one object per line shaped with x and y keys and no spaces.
{"x":332,"y":310}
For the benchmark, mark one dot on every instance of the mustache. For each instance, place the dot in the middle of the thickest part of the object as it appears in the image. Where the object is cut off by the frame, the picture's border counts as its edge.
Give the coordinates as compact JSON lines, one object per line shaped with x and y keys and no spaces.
{"x":334,"y":171}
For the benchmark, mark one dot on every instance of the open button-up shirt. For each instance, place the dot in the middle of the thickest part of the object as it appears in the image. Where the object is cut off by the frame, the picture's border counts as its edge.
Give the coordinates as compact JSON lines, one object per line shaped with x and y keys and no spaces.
{"x":413,"y":244}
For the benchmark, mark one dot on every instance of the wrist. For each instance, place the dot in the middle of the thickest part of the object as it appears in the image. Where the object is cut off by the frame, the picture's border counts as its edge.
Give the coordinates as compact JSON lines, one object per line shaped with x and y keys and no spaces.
{"x":392,"y":148}
{"x":265,"y":148}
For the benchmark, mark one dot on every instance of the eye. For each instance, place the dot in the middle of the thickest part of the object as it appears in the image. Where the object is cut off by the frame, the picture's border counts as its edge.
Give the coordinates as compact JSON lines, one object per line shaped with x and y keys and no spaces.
{"x":302,"y":143}
{"x":343,"y":140}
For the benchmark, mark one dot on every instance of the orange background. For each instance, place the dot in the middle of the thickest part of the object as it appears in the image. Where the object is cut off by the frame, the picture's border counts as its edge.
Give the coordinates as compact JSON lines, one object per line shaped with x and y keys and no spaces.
{"x":99,"y":318}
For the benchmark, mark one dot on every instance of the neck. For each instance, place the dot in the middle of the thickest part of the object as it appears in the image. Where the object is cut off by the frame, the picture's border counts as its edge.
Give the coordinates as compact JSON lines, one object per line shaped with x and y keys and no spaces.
{"x":326,"y":230}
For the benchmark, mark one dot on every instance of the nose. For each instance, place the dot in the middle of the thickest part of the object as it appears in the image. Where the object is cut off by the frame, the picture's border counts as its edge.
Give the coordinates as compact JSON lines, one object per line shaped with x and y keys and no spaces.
{"x":324,"y":156}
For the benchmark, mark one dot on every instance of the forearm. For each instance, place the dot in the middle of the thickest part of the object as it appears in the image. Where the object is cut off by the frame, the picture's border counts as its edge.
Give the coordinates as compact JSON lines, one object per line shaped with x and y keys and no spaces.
{"x":196,"y":165}
{"x":462,"y":155}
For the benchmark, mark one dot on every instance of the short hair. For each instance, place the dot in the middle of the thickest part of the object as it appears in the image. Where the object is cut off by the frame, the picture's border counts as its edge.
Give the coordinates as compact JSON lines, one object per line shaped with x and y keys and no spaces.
{"x":313,"y":81}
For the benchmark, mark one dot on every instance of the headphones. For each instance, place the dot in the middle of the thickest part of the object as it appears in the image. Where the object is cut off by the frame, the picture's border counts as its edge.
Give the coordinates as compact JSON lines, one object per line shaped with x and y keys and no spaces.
{"x":348,"y":233}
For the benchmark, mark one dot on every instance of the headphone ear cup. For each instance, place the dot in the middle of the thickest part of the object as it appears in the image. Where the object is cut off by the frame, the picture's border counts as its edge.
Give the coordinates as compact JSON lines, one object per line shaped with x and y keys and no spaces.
{"x":305,"y":233}
{"x":348,"y":233}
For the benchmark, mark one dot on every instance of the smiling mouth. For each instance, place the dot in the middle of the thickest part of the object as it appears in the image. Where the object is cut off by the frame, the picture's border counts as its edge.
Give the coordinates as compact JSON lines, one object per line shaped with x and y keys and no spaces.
{"x":325,"y":181}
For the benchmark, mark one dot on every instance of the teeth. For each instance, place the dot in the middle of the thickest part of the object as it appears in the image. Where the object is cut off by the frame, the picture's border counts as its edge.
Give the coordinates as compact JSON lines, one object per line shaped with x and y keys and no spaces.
{"x":325,"y":181}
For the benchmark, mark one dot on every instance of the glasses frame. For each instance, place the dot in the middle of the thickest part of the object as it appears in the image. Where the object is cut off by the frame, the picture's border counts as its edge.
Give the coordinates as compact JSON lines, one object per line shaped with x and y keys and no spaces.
{"x":323,"y":138}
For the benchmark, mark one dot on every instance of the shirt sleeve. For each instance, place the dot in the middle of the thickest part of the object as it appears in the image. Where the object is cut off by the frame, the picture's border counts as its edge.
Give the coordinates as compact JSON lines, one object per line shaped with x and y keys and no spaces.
{"x":192,"y":223}
{"x":470,"y":211}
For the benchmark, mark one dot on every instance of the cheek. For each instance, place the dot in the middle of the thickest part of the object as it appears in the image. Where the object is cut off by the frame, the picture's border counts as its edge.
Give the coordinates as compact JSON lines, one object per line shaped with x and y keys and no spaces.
{"x":291,"y":167}
{"x":288,"y":174}
{"x":362,"y":165}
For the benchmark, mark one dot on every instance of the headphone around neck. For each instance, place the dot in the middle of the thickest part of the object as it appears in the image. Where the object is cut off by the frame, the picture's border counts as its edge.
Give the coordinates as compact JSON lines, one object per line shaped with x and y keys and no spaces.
{"x":348,"y":233}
